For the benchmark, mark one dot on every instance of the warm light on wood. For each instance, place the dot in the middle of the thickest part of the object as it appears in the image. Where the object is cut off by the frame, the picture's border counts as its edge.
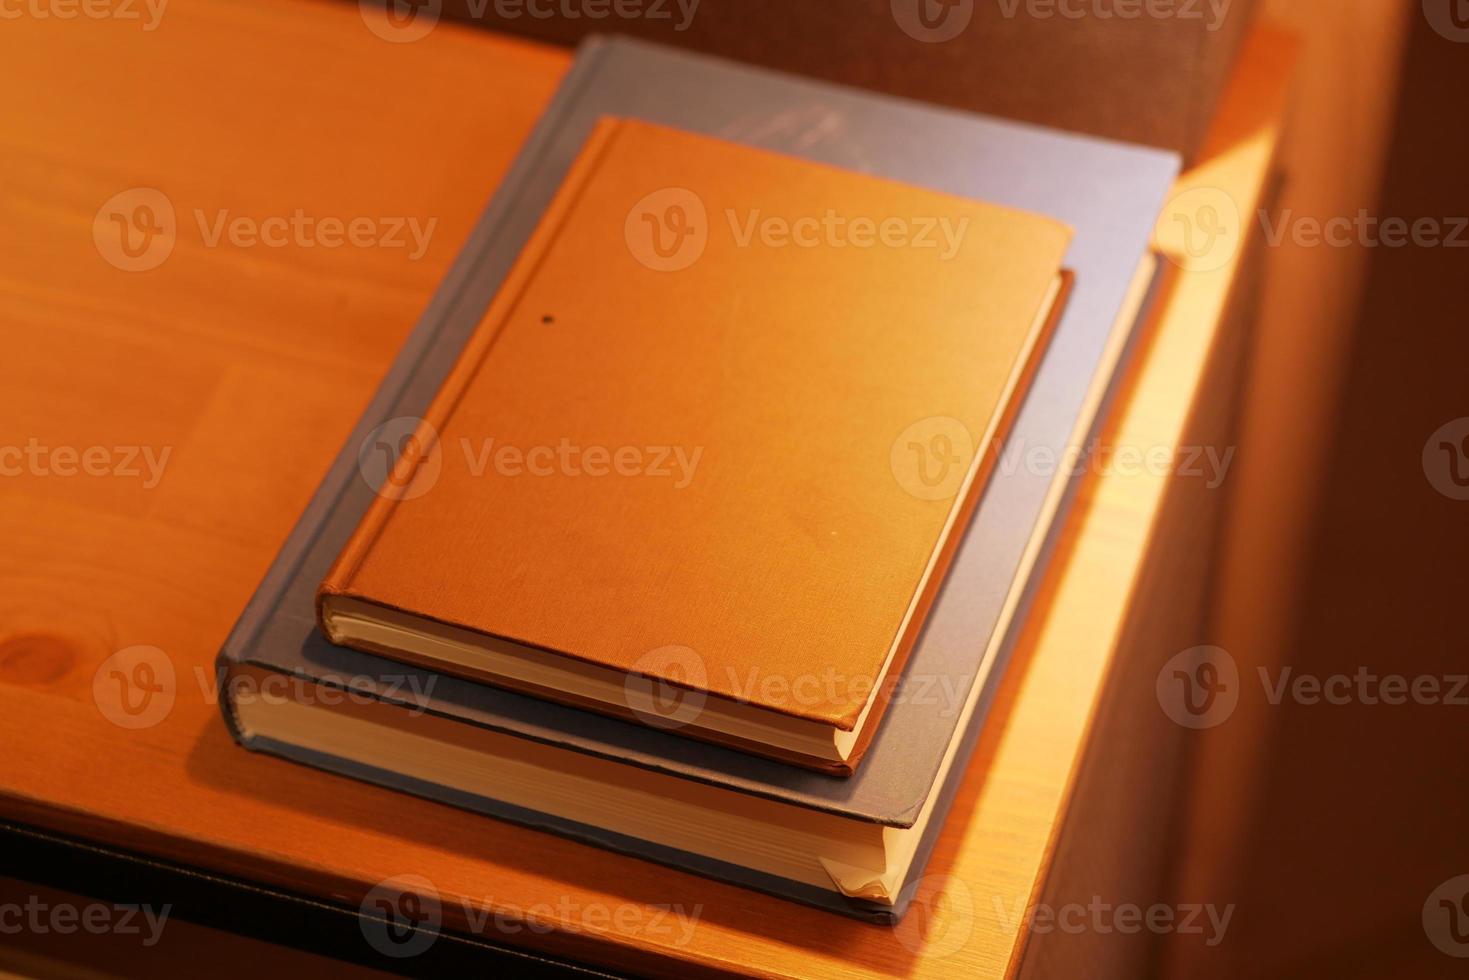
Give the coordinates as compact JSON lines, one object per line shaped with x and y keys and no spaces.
{"x":258,"y":360}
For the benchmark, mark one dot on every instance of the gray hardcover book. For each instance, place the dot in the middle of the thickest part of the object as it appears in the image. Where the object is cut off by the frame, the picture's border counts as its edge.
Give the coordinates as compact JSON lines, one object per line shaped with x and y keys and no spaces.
{"x":1110,"y":193}
{"x":1149,"y":73}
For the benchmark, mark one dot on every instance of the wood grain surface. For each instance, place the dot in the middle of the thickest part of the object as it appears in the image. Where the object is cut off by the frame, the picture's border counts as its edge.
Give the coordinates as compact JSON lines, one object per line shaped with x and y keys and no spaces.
{"x":247,"y":365}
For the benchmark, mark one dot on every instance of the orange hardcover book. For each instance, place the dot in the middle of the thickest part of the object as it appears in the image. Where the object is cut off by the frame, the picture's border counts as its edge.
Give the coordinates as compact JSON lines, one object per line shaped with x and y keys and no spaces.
{"x":706,"y":458}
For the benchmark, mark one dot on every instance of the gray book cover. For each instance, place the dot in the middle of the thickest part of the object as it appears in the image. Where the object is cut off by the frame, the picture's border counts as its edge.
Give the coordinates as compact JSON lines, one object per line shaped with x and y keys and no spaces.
{"x":1110,"y":193}
{"x":1144,"y":73}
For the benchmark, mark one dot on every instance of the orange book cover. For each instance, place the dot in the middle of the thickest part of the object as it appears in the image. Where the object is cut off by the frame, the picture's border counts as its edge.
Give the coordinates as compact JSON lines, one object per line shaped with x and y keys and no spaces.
{"x":706,"y":458}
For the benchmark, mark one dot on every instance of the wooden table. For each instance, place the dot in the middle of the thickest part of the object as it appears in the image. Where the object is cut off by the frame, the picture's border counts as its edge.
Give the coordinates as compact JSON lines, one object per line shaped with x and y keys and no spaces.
{"x":249,"y":363}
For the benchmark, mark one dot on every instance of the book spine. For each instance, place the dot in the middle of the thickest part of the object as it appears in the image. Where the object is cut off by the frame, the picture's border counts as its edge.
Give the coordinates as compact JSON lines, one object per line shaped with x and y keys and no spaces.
{"x":420,"y":444}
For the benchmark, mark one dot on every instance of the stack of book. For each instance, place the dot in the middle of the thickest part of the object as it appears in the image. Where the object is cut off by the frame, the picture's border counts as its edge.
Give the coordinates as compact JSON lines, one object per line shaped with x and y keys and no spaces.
{"x":693,"y":518}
